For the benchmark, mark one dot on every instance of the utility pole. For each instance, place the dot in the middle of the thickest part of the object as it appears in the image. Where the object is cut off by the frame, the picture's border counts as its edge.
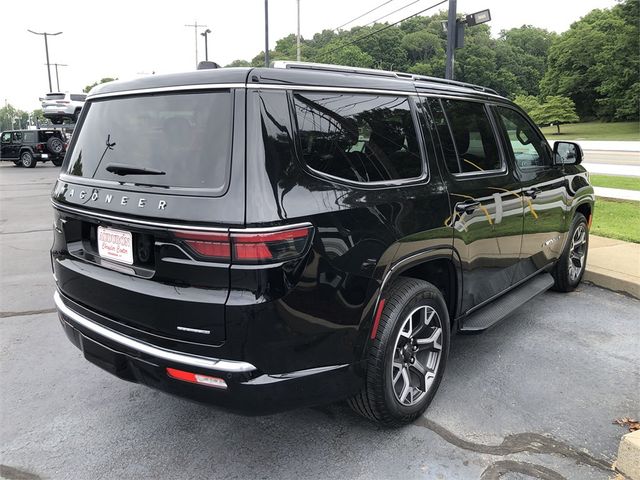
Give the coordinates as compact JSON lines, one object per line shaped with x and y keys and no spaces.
{"x":266,"y":33}
{"x":57,"y":79}
{"x":206,"y":44}
{"x":195,"y":26}
{"x":452,"y":26}
{"x":298,"y":36}
{"x":46,"y":48}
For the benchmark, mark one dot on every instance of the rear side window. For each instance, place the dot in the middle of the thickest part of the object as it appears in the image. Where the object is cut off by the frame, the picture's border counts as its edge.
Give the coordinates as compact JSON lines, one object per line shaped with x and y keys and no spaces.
{"x":467,"y":136}
{"x":78,"y":98}
{"x":30,"y":137}
{"x":184,"y":138}
{"x":361,"y":138}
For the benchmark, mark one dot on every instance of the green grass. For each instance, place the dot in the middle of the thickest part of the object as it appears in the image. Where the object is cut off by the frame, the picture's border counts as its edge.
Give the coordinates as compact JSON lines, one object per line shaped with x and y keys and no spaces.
{"x":617,"y":219}
{"x":615,"y":181}
{"x":595,"y":131}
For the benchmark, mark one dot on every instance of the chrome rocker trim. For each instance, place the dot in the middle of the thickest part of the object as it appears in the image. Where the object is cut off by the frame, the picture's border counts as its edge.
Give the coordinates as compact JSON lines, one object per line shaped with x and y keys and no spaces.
{"x":229,"y":366}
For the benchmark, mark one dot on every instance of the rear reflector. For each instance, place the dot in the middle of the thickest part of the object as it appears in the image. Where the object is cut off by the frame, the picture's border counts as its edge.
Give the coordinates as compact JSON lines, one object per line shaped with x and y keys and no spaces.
{"x":196,"y":378}
{"x":376,"y":320}
{"x":263,"y":247}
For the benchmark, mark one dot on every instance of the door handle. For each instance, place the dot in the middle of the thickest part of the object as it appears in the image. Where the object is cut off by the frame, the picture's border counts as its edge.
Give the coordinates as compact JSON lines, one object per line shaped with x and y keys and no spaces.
{"x":532,"y":192}
{"x":467,"y":207}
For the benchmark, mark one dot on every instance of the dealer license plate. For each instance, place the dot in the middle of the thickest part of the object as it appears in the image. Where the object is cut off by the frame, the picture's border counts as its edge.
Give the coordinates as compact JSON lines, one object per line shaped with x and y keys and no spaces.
{"x":116,"y":245}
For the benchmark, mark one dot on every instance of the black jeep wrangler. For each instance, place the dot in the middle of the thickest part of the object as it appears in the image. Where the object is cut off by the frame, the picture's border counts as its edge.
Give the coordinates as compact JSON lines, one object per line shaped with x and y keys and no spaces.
{"x":27,"y":147}
{"x":264,"y":239}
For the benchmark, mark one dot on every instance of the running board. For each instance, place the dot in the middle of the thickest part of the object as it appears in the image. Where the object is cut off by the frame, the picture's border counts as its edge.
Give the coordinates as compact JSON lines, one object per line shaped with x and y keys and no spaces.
{"x":497,"y":310}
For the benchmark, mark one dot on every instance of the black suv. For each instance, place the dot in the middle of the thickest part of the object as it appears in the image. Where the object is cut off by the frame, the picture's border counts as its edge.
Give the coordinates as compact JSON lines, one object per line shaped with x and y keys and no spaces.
{"x":263,"y":239}
{"x":27,"y":147}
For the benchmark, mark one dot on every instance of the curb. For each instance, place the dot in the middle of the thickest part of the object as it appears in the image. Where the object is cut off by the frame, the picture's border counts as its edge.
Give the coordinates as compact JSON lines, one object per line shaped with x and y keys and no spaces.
{"x":628,"y":462}
{"x":620,"y":283}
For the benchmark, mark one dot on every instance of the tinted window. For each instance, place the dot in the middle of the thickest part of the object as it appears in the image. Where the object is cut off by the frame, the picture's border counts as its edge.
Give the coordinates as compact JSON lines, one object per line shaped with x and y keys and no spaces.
{"x":30,"y":137}
{"x":528,"y":147}
{"x":186,"y":136}
{"x":78,"y":98}
{"x":363,"y":138}
{"x":54,"y":96}
{"x":475,"y":143}
{"x":444,"y":133}
{"x":17,"y":137}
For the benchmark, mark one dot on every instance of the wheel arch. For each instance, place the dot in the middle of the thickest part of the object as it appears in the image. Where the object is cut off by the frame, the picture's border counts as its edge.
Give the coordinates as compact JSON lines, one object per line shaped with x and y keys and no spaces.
{"x":439,"y":266}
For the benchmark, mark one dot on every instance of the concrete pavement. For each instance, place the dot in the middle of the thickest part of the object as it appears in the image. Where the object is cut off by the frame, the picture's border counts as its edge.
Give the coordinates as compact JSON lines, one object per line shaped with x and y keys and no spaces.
{"x":617,"y":193}
{"x":614,"y":264}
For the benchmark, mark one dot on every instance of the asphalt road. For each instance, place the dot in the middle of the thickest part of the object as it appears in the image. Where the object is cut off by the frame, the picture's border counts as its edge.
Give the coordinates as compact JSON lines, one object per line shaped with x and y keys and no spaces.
{"x":534,"y":397}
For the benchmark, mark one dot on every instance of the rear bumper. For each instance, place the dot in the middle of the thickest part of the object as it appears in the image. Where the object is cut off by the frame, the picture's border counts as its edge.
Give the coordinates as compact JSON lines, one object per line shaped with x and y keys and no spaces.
{"x":247,"y":390}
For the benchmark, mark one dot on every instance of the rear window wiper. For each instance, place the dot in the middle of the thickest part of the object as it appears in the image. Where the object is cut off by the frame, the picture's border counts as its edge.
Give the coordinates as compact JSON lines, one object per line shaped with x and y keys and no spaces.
{"x":123,"y":169}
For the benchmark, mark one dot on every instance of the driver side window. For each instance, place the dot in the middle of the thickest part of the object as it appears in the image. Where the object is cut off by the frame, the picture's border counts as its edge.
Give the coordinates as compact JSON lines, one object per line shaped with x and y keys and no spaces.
{"x":530,"y":150}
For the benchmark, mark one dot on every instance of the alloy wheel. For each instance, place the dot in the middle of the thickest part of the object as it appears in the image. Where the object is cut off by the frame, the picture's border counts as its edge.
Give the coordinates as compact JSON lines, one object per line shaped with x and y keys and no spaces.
{"x":577,"y":252}
{"x":416,"y":355}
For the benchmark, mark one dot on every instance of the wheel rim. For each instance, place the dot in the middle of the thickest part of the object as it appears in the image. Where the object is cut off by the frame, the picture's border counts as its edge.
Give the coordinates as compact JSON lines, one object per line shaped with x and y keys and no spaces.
{"x":26,"y":159}
{"x":416,"y":355}
{"x":577,"y":252}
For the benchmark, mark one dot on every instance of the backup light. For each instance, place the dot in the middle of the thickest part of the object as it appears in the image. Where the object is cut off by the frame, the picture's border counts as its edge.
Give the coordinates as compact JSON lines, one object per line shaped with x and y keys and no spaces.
{"x":196,"y":378}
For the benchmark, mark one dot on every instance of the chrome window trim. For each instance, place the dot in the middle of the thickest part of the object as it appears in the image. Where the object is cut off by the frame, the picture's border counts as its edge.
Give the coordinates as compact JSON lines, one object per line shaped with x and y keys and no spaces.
{"x":230,"y":366}
{"x":175,"y":88}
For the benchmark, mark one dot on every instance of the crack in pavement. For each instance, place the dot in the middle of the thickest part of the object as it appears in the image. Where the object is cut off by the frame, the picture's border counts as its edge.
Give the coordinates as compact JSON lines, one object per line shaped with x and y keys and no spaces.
{"x":26,"y":312}
{"x":500,"y":468}
{"x":517,"y":443}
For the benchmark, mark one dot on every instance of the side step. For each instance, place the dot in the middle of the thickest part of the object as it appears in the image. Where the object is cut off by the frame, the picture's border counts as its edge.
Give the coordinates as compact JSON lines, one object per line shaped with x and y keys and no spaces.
{"x":495,"y":311}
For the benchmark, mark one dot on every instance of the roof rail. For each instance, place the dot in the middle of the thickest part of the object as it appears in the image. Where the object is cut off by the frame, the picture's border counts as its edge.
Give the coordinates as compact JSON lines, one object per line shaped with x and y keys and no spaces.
{"x":382,"y":73}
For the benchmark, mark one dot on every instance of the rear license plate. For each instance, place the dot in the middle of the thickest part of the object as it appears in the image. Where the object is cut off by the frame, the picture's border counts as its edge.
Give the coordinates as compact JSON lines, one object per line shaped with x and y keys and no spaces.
{"x":116,"y":245}
{"x":44,"y":155}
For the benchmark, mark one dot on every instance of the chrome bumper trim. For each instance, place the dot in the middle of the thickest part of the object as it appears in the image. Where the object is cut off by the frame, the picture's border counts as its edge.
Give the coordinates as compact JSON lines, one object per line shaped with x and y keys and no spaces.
{"x":230,"y":366}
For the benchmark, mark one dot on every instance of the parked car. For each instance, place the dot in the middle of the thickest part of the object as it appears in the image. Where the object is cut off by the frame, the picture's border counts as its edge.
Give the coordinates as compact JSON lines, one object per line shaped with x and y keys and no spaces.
{"x":264,"y":239}
{"x":58,"y":106}
{"x":27,"y":147}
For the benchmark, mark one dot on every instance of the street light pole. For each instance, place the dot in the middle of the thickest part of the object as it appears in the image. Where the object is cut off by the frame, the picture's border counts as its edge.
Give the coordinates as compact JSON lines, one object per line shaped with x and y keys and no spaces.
{"x":195,"y":26}
{"x":451,"y":38}
{"x":206,"y":44}
{"x":266,"y":33}
{"x":57,"y":78}
{"x":298,"y":36}
{"x":46,"y":48}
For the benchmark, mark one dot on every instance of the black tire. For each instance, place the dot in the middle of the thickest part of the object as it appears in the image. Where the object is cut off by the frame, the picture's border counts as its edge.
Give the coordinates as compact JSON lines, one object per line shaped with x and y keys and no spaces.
{"x":57,"y":120}
{"x":76,"y":114}
{"x":27,"y":160}
{"x":57,"y":162}
{"x":17,"y":163}
{"x":380,"y":399}
{"x":569,"y":269}
{"x":55,"y":145}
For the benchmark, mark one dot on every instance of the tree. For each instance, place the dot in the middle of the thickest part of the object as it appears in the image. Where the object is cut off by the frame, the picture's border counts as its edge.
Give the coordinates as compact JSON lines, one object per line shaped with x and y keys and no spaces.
{"x":239,"y":63}
{"x":556,"y":110}
{"x":12,"y":118}
{"x":350,"y":55}
{"x":88,"y":88}
{"x":527,"y":102}
{"x":596,"y":63}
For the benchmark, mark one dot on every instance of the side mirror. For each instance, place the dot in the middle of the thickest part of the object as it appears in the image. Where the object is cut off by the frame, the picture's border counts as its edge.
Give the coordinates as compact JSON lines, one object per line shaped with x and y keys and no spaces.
{"x":567,"y":153}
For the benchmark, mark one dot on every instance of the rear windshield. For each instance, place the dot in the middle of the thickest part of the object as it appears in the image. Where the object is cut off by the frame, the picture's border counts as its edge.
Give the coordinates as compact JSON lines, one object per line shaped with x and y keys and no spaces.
{"x":184,"y":138}
{"x":54,"y":96}
{"x":78,"y":97}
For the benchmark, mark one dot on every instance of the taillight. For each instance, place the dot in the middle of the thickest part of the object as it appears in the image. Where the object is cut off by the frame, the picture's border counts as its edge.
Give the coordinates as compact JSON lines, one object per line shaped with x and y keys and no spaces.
{"x":212,"y":245}
{"x":39,"y":147}
{"x":255,"y":247}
